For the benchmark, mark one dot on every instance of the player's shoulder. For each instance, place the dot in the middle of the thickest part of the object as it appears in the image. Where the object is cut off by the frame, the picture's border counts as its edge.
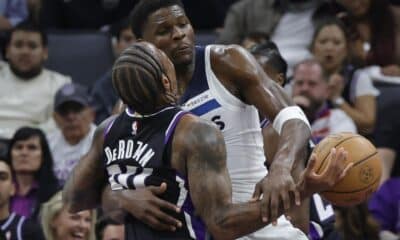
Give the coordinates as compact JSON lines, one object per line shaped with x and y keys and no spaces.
{"x":103,"y":128}
{"x":191,"y":123}
{"x":220,"y":51}
{"x":192,"y":130}
{"x":235,"y":63}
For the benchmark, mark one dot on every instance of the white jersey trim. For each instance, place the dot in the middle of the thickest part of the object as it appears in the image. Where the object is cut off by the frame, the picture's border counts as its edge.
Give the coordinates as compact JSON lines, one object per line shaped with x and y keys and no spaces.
{"x":218,"y":90}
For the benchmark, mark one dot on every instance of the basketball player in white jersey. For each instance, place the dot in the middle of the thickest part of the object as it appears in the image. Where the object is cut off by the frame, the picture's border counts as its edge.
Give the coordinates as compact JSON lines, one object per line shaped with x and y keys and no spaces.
{"x":224,"y":84}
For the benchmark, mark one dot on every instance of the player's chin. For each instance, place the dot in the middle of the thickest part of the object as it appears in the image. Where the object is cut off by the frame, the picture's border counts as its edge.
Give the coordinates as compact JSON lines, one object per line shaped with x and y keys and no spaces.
{"x":183,"y":59}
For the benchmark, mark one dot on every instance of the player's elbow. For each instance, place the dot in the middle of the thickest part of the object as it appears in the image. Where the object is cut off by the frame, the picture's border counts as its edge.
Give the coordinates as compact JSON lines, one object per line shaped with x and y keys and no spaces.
{"x":219,"y":233}
{"x":222,"y":227}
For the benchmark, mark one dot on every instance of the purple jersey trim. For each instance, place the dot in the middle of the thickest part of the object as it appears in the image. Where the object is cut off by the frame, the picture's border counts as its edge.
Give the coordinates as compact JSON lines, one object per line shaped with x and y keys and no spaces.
{"x":108,"y":128}
{"x":198,"y":225}
{"x":172,"y":125}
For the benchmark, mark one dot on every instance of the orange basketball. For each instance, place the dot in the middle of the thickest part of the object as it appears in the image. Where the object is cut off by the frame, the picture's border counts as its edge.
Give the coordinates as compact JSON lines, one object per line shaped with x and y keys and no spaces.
{"x":362,"y":179}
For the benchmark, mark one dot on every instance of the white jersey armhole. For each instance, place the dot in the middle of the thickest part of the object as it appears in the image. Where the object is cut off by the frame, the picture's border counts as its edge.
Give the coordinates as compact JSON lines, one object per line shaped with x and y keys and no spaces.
{"x":218,"y":90}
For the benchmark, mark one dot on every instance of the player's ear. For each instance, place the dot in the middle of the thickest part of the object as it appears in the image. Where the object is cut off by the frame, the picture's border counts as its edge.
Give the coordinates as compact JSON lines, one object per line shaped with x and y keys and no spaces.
{"x":280,"y":78}
{"x":166,"y":82}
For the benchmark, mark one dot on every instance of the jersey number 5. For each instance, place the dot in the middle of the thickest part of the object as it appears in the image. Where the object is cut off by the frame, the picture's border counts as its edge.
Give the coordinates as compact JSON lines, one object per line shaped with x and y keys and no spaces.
{"x":217,"y":120}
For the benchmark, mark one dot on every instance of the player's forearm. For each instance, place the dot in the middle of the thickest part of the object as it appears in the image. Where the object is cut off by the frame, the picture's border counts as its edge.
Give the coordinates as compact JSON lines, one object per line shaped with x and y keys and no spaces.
{"x":111,"y":203}
{"x":237,"y":220}
{"x":293,"y":145}
{"x":79,"y":194}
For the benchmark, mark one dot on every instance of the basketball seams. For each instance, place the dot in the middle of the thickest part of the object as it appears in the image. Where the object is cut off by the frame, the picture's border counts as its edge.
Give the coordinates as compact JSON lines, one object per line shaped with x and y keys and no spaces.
{"x":355,"y":191}
{"x":365,"y":159}
{"x":361,"y":189}
{"x":344,"y":140}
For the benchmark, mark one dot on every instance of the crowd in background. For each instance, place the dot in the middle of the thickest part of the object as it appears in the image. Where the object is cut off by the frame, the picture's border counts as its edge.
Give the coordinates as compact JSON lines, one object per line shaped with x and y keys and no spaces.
{"x":338,"y":59}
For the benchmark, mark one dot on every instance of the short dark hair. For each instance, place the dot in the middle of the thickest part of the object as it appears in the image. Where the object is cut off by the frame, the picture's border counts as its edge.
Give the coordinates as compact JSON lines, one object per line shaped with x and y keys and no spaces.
{"x":117,"y":27}
{"x":145,"y":8}
{"x":102,"y":224}
{"x":4,"y":158}
{"x":29,"y":26}
{"x":136,"y":77}
{"x":275,"y":59}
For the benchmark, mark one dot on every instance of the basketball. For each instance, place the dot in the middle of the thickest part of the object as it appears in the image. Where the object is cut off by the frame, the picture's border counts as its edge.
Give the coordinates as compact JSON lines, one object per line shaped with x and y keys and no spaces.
{"x":362,"y":179}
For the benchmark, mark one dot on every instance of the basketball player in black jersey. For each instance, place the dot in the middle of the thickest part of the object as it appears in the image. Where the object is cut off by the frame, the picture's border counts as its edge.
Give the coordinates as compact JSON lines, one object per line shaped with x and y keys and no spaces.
{"x":154,"y":143}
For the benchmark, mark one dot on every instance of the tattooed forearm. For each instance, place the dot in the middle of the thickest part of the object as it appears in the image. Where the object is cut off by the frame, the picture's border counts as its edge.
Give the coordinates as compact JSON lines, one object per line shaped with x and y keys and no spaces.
{"x":210,"y":187}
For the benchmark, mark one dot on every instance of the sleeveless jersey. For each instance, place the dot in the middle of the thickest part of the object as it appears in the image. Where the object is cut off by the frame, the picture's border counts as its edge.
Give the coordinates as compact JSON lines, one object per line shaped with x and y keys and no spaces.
{"x":137,"y":153}
{"x":206,"y":97}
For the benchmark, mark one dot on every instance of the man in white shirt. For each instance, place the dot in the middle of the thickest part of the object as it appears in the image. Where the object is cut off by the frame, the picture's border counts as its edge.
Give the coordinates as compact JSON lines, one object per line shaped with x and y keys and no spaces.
{"x":310,"y":91}
{"x":27,"y":88}
{"x":74,"y":117}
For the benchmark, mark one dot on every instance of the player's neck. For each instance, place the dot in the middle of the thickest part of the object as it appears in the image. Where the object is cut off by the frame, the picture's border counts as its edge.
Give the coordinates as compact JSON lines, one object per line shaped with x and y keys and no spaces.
{"x":184,"y":74}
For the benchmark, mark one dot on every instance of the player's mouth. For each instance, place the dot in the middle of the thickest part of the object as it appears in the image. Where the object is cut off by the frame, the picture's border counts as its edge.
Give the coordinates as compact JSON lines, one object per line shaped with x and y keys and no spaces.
{"x":183,"y":50}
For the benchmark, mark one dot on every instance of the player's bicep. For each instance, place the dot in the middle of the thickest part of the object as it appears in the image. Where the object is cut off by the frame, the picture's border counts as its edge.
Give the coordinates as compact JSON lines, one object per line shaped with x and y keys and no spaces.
{"x":209,"y":182}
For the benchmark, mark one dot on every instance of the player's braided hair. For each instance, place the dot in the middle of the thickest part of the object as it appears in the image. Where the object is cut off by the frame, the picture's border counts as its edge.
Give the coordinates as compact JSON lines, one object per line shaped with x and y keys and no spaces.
{"x":136,"y":77}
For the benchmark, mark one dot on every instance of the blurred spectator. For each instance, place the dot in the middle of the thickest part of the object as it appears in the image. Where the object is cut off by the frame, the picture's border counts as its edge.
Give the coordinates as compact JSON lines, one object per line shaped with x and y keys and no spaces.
{"x":288,"y":23}
{"x":268,"y":56}
{"x":14,"y":226}
{"x":12,"y":12}
{"x":88,"y":14}
{"x":374,"y":22}
{"x":350,"y":90}
{"x":27,"y":90}
{"x":59,"y":224}
{"x":384,"y":205}
{"x":107,"y":229}
{"x":310,"y":91}
{"x":34,"y":7}
{"x":32,"y":164}
{"x":74,"y":118}
{"x":355,"y":223}
{"x":103,"y":94}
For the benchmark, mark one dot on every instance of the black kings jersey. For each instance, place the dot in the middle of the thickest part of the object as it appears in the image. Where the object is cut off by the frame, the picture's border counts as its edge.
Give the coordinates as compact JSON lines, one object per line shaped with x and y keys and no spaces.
{"x":137,"y":153}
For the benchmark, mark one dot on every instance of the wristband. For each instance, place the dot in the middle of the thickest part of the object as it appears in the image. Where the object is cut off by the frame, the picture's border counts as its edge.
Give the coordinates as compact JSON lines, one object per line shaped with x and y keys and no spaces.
{"x":289,"y":113}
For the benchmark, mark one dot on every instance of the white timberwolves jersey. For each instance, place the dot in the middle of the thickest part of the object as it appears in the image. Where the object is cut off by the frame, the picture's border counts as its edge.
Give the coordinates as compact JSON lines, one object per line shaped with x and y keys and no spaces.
{"x":206,"y":97}
{"x":239,"y":123}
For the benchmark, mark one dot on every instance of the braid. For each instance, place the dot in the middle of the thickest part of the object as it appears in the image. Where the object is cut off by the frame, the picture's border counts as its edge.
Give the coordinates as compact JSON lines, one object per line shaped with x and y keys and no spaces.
{"x":137,"y":77}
